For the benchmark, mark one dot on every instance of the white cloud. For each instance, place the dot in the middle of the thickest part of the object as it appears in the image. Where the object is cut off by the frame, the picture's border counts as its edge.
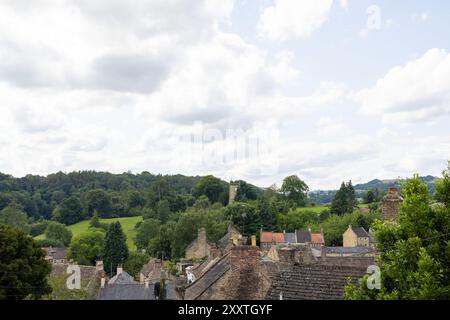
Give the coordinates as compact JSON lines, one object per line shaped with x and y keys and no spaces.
{"x":293,"y":19}
{"x":419,"y":90}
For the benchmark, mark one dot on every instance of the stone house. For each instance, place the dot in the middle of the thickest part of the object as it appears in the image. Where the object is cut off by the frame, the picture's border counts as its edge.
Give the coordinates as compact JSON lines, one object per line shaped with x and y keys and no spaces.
{"x":200,"y":247}
{"x":390,"y":204}
{"x":357,"y":237}
{"x":151,"y":271}
{"x":55,"y":255}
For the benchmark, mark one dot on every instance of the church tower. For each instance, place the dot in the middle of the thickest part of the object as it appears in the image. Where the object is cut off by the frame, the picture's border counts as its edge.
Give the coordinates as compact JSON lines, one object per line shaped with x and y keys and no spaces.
{"x":233,"y":191}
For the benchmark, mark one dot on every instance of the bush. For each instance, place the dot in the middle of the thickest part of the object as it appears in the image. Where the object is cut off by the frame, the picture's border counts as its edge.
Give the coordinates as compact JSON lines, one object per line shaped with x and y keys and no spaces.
{"x":38,"y":228}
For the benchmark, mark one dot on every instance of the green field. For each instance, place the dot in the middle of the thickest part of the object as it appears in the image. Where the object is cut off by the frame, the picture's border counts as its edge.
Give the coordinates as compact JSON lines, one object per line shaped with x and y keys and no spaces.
{"x":127,"y":224}
{"x":317,"y":209}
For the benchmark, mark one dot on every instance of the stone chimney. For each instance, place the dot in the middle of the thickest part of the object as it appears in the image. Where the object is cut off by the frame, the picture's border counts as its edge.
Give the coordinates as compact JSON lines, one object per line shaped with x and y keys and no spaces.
{"x":253,"y":238}
{"x":390,"y":204}
{"x":146,"y":283}
{"x":233,"y":191}
{"x":286,"y":255}
{"x":99,"y":266}
{"x":119,"y":269}
{"x":102,"y":282}
{"x":244,"y":280}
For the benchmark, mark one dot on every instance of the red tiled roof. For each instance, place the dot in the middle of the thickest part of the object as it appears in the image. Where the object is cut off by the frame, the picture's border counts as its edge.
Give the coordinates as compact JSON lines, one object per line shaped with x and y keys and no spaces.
{"x":278,"y":237}
{"x":317,"y":238}
{"x":268,"y":237}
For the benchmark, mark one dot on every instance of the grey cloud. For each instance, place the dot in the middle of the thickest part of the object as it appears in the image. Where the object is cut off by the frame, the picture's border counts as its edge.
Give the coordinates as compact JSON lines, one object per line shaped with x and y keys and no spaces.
{"x":132,"y":73}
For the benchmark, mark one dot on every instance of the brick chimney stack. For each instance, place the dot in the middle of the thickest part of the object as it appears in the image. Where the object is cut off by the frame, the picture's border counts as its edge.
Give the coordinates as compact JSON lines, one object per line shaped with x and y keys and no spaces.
{"x":390,"y":204}
{"x":244,"y":278}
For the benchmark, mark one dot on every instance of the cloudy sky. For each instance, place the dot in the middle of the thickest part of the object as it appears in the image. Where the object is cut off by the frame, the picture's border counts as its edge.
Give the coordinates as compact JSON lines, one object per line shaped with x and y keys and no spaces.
{"x":255,"y":90}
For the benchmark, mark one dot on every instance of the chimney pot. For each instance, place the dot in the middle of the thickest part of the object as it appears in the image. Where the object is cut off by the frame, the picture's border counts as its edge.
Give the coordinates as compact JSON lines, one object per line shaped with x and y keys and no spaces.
{"x":393,"y":190}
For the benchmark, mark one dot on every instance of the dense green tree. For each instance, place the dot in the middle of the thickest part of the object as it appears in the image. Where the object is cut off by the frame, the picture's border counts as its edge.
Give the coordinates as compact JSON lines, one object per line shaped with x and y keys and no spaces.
{"x":246,"y":191}
{"x":245,"y":217}
{"x":296,"y":220}
{"x":268,"y":214}
{"x":38,"y":227}
{"x":135,"y":262}
{"x":13,"y":216}
{"x":99,"y":200}
{"x":415,"y":251}
{"x":344,"y":201}
{"x":69,"y":212}
{"x":212,"y":187}
{"x":163,"y":210}
{"x":96,"y":224}
{"x":146,"y":231}
{"x":115,"y":251}
{"x":135,"y":199}
{"x":59,"y":232}
{"x":23,"y":269}
{"x":87,"y":247}
{"x":295,"y":191}
{"x":161,"y":246}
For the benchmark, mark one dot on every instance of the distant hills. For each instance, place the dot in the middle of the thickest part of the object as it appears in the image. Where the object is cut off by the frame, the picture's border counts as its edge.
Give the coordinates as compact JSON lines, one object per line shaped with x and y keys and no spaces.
{"x":385,"y":184}
{"x":326,"y":196}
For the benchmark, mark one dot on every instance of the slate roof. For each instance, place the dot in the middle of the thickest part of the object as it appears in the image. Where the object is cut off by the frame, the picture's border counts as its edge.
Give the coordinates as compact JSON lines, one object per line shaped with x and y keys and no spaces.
{"x":122,"y":279}
{"x":56,"y":253}
{"x":349,"y":250}
{"x":303,"y":236}
{"x":127,"y":292}
{"x":361,"y":232}
{"x":85,"y":271}
{"x":313,"y":282}
{"x":290,"y":238}
{"x":195,"y":289}
{"x":152,"y":270}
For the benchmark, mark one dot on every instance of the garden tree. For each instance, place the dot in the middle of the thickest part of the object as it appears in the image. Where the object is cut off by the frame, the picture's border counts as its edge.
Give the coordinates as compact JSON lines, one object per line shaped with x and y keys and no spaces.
{"x":268,"y":214}
{"x":38,"y":227}
{"x":295,"y":219}
{"x":344,"y":201}
{"x":87,"y":247}
{"x":245,"y":217}
{"x":99,"y":200}
{"x":161,"y":245}
{"x":147,"y":230}
{"x":149,"y":213}
{"x":49,"y":243}
{"x":369,"y":197}
{"x":96,"y":224}
{"x":69,"y":212}
{"x":163,"y":210}
{"x":415,"y":251}
{"x":186,"y":229}
{"x":115,"y":251}
{"x":13,"y":216}
{"x":23,"y":268}
{"x":212,"y":187}
{"x":135,"y":262}
{"x":295,"y":191}
{"x":135,"y":199}
{"x":59,"y":232}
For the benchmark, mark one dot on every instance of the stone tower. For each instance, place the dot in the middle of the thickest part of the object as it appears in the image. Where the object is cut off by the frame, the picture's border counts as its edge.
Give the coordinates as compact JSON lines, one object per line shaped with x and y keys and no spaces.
{"x":233,"y":191}
{"x":390,"y":205}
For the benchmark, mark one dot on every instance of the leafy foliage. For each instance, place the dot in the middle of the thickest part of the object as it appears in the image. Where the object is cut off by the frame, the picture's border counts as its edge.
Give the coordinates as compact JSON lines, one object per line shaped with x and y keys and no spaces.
{"x":59,"y":232}
{"x":115,"y":251}
{"x":23,"y":269}
{"x":344,"y":201}
{"x":86,"y":248}
{"x":415,"y":252}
